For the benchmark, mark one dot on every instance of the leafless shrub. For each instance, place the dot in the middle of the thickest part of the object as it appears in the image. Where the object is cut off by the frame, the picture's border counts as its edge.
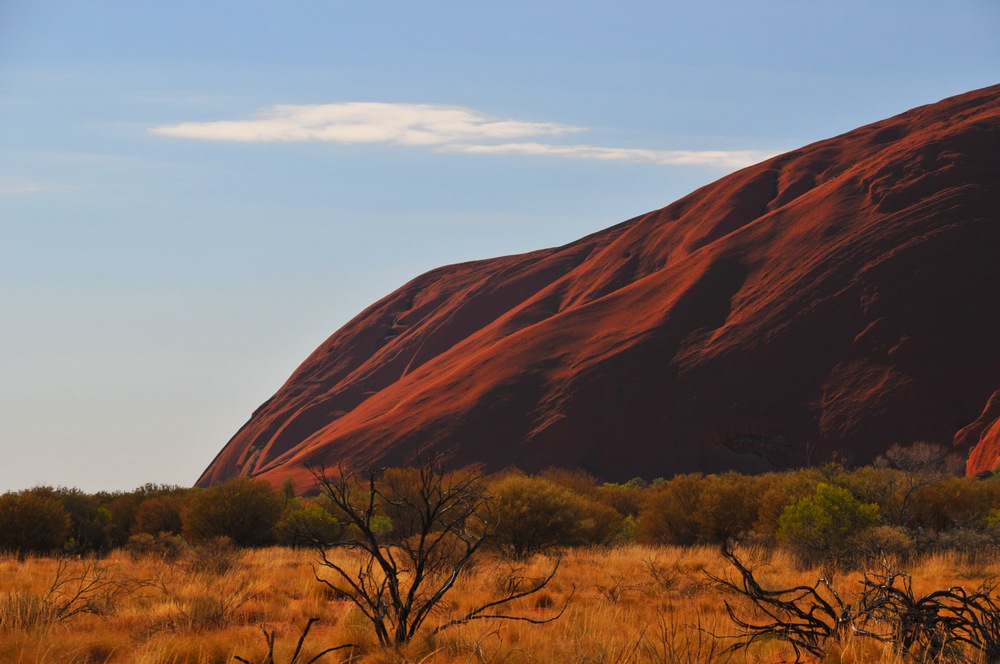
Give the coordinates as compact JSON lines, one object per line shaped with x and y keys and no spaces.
{"x":216,"y":608}
{"x":881,"y":542}
{"x":671,"y":578}
{"x":616,"y":587}
{"x":921,"y":464}
{"x":208,"y":612}
{"x":482,"y":646}
{"x":215,"y":556}
{"x":413,"y":534}
{"x":664,"y":577}
{"x":90,"y":588}
{"x":922,"y":458}
{"x":509,"y":576}
{"x":670,"y":642}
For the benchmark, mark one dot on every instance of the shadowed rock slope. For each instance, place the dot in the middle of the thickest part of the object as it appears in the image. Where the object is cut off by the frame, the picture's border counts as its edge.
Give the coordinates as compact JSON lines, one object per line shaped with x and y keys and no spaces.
{"x":822,"y":304}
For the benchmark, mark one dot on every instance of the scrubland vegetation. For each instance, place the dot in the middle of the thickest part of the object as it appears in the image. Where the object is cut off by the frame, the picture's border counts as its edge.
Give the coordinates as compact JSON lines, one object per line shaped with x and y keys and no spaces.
{"x":875,"y":564}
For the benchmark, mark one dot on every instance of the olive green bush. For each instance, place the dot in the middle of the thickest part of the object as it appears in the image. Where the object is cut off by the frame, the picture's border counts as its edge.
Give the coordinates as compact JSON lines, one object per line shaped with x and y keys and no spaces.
{"x":32,"y":521}
{"x":533,"y":514}
{"x":244,"y":510}
{"x":307,"y":521}
{"x":159,"y":514}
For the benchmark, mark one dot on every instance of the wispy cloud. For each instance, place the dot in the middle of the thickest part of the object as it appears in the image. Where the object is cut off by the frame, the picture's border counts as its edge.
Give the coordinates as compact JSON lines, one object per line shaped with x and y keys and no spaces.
{"x":8,"y":187}
{"x":363,"y":122}
{"x":714,"y":158}
{"x":441,"y":128}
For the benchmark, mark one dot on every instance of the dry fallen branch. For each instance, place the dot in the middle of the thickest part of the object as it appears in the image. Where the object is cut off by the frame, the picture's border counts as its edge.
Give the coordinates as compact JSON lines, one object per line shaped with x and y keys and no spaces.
{"x":804,"y":616}
{"x":486,"y":611}
{"x":941,"y":626}
{"x":269,"y":638}
{"x":938,"y":626}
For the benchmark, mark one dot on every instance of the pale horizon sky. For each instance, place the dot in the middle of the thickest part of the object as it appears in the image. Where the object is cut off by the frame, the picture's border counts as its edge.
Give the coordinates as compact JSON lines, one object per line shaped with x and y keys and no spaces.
{"x":193,"y":196}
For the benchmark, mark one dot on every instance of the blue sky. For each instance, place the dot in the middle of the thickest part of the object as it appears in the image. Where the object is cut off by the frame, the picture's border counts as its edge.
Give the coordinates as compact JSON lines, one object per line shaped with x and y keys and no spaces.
{"x":194,"y":195}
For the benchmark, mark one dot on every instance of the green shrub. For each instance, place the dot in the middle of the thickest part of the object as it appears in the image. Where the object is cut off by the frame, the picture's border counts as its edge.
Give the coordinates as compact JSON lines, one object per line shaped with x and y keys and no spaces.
{"x":306,"y":522}
{"x":712,"y":509}
{"x":886,"y":487}
{"x":244,"y":510}
{"x":31,"y":522}
{"x":823,"y":527}
{"x":778,"y":491}
{"x":533,"y":513}
{"x":90,"y":522}
{"x":124,"y":505}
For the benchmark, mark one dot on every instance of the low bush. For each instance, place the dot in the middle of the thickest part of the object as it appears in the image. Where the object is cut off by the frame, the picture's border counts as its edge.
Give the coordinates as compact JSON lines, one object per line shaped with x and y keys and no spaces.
{"x":668,"y":515}
{"x":306,"y":522}
{"x":164,"y":546}
{"x":244,"y":510}
{"x":533,"y":514}
{"x":892,"y":542}
{"x":159,"y":514}
{"x":824,"y":528}
{"x":216,"y":556}
{"x":31,"y":522}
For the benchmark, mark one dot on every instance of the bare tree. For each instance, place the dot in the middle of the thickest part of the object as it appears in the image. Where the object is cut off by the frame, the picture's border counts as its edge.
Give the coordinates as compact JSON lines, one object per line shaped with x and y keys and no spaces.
{"x":413,"y":533}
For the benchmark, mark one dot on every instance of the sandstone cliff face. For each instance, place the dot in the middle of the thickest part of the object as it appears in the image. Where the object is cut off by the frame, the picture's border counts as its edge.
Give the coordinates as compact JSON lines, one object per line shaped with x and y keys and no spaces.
{"x":825,"y":303}
{"x":983,"y":437}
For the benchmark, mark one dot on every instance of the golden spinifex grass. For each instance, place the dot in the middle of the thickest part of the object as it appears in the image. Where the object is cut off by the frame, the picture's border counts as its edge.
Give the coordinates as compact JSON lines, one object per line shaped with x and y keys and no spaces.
{"x":629,"y":604}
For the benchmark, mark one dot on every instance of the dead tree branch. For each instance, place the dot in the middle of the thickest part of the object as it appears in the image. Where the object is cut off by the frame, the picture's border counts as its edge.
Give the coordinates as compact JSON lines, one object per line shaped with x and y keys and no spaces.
{"x":269,"y":638}
{"x":804,"y":616}
{"x":951,"y":625}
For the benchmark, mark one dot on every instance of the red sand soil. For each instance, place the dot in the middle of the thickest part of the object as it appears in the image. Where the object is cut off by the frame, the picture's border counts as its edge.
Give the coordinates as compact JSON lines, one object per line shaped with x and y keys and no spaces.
{"x":820,"y":305}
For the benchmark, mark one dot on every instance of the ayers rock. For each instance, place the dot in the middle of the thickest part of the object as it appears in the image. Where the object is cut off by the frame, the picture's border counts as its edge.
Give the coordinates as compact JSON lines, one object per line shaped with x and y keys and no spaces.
{"x":824,"y":303}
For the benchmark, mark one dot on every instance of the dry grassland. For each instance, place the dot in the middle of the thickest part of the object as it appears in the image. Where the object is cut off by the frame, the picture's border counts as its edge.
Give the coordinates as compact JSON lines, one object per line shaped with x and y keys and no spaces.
{"x":628,"y":604}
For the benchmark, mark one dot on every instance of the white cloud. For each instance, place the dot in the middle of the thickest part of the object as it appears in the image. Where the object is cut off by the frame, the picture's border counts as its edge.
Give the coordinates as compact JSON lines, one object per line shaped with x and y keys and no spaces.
{"x":714,"y":158}
{"x":442,"y":128}
{"x":361,"y":122}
